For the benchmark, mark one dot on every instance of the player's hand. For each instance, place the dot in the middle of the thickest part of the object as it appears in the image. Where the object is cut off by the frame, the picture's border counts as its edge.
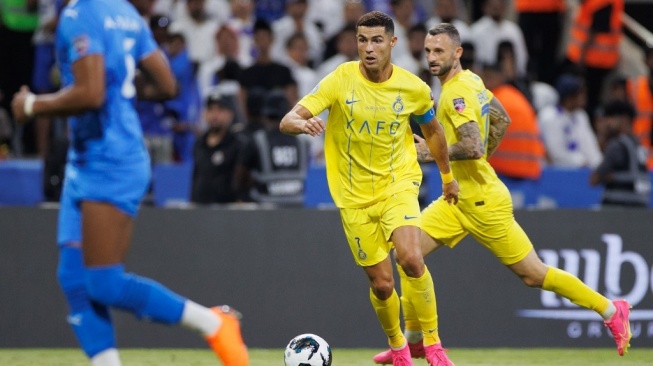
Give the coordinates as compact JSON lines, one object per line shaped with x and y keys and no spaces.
{"x":313,"y":126}
{"x":18,"y":104}
{"x":423,"y":153}
{"x":450,"y":192}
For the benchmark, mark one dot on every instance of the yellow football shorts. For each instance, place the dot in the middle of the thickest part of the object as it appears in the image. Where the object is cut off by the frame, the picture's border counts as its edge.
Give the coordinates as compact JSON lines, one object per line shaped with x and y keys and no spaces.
{"x":494,"y":227}
{"x":368,"y":229}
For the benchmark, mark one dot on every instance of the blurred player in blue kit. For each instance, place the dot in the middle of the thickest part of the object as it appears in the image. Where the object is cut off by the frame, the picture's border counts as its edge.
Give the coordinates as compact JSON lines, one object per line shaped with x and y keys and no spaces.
{"x":99,"y":43}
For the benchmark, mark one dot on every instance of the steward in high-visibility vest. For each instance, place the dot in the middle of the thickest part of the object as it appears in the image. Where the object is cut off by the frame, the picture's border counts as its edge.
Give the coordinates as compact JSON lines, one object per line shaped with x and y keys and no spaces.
{"x":539,"y":6}
{"x":594,"y":46}
{"x":521,"y":152}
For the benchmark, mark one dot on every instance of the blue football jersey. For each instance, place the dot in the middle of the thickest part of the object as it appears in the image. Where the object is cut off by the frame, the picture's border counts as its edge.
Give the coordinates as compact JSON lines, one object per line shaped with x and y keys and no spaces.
{"x":112,"y":28}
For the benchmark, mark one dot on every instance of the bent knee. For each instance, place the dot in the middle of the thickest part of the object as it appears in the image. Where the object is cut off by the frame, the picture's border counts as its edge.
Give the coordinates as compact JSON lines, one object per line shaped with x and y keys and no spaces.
{"x":105,"y":285}
{"x":383,"y":288}
{"x":413,"y":264}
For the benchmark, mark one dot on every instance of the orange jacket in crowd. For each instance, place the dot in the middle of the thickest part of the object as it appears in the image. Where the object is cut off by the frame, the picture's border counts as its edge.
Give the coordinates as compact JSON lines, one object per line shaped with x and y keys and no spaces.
{"x":540,"y":6}
{"x":521,"y":152}
{"x":639,"y":93}
{"x":598,"y":50}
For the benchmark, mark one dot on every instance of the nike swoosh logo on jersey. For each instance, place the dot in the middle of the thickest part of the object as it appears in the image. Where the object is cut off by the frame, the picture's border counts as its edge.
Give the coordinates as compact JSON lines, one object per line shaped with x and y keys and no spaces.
{"x":352,"y":101}
{"x":406,"y":217}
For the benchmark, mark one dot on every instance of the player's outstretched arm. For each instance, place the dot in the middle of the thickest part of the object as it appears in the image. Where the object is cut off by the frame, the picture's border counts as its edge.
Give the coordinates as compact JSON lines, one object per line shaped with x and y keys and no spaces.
{"x":437,"y":144}
{"x":300,"y":120}
{"x":499,"y":122}
{"x":87,"y":92}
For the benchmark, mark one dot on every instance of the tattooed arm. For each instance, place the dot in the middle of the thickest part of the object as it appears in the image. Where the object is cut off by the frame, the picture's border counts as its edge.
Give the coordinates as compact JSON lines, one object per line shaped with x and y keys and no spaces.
{"x":470,"y":137}
{"x":499,"y":122}
{"x":469,"y":145}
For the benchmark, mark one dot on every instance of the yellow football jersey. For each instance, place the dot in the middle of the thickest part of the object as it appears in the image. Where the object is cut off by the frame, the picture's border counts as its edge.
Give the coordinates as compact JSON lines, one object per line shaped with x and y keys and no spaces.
{"x":464,"y":98}
{"x":368,"y":144}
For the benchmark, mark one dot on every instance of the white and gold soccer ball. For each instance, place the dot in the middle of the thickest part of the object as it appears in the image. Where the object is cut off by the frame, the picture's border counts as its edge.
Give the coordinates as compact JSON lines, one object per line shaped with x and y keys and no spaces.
{"x":307,"y":350}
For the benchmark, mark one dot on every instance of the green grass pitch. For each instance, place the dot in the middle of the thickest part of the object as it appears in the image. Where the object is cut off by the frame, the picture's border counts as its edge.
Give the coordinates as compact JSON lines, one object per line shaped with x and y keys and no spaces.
{"x":341,"y":357}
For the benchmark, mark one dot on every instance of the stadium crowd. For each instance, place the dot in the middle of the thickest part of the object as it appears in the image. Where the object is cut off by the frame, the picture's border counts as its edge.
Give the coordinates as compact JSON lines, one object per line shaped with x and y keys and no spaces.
{"x":556,"y":65}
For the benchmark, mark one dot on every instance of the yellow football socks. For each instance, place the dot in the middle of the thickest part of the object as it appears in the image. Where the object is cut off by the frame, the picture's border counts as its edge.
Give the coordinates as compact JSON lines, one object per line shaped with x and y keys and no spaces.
{"x":420,"y":293}
{"x":413,"y":328}
{"x":570,"y":287}
{"x":388,"y":313}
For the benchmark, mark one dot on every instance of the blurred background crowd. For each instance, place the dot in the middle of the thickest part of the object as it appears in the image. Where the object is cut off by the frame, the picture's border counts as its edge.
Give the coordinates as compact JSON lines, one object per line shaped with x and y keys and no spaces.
{"x":574,"y":75}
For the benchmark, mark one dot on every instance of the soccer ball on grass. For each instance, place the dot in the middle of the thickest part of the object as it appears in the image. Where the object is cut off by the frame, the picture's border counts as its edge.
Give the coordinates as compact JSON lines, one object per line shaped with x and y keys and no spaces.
{"x":307,"y":350}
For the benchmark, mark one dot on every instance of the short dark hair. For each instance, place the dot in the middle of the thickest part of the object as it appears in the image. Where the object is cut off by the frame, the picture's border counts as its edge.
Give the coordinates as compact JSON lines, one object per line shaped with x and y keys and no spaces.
{"x":377,"y":19}
{"x":619,"y":108}
{"x":262,"y":24}
{"x":449,"y":30}
{"x":218,"y":100}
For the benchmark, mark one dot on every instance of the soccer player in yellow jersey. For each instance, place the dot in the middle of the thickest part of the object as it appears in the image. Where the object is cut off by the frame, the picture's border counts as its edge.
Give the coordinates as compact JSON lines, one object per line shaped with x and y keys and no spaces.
{"x":373,"y":173}
{"x":485,"y":208}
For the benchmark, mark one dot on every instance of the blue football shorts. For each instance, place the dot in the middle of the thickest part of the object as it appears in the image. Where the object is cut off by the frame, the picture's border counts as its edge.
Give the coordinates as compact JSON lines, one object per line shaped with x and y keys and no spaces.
{"x":121,"y":186}
{"x":369,"y":229}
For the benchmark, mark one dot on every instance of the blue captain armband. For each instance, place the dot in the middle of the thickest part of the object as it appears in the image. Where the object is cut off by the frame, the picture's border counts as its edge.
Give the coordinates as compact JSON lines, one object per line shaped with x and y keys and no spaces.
{"x":426,"y":117}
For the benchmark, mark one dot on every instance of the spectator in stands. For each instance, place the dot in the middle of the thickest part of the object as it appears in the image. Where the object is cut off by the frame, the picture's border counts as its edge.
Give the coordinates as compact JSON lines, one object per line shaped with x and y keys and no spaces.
{"x":242,"y":22}
{"x":568,"y":135}
{"x":254,"y":109}
{"x":156,"y":120}
{"x":269,"y":10}
{"x":446,"y":11}
{"x":327,"y":16}
{"x":215,"y":155}
{"x":521,"y":152}
{"x":640,"y":94}
{"x":199,"y":30}
{"x":346,"y":50}
{"x":541,"y":22}
{"x":17,"y":25}
{"x":403,"y":15}
{"x":594,"y":44}
{"x":273,"y":165}
{"x":617,"y":91}
{"x":538,"y":93}
{"x":186,"y":106}
{"x":222,"y":72}
{"x":298,"y":61}
{"x":491,"y":29}
{"x":468,"y":59}
{"x":352,"y":11}
{"x":217,"y":10}
{"x":295,"y":21}
{"x":44,"y":61}
{"x":623,"y":170}
{"x":266,"y":73}
{"x":507,"y":60}
{"x":413,"y":61}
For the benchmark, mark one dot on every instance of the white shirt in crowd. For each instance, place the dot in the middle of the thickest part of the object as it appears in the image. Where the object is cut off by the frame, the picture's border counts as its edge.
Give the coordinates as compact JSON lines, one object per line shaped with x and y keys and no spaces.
{"x":200,"y":37}
{"x":284,"y":28}
{"x":487,"y":34}
{"x":569,"y":138}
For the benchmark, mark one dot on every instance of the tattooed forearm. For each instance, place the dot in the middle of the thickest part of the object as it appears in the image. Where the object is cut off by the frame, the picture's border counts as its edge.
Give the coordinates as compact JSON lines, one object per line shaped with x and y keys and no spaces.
{"x":469,"y":145}
{"x":499,"y":122}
